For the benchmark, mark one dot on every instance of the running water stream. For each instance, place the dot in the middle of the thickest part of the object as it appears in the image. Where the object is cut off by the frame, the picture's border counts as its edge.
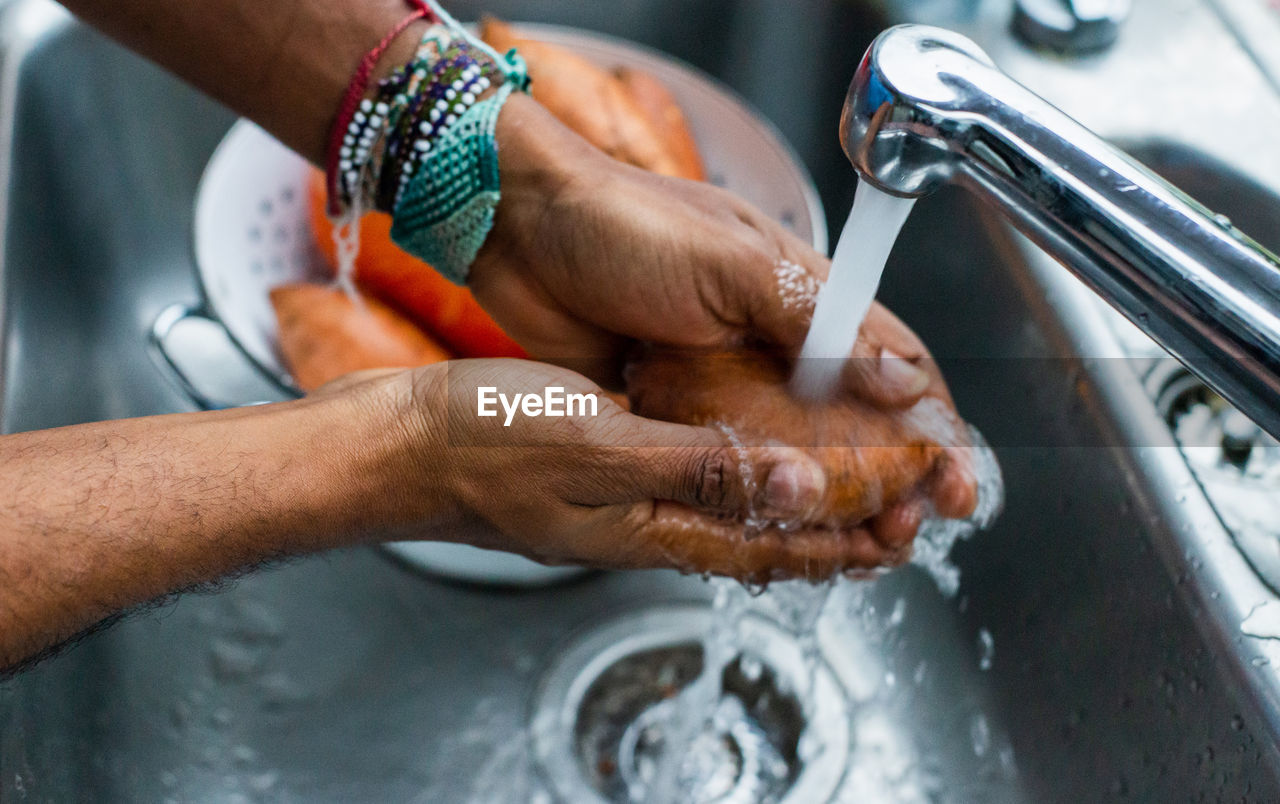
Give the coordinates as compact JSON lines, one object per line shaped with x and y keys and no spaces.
{"x":860,"y":257}
{"x":842,"y":304}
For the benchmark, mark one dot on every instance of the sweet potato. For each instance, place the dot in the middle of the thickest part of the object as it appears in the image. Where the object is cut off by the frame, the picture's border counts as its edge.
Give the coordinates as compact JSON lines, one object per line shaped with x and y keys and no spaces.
{"x":446,"y":310}
{"x":666,"y":117}
{"x":872,"y":459}
{"x":587,"y":99}
{"x":324,"y":335}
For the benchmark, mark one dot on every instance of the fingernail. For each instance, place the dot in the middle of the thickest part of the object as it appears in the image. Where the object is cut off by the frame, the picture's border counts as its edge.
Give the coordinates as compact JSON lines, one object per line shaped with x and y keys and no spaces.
{"x":902,"y":373}
{"x":793,"y":488}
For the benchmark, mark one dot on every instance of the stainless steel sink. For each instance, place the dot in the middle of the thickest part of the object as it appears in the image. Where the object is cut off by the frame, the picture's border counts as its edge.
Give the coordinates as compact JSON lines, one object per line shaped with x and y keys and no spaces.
{"x":1110,"y":590}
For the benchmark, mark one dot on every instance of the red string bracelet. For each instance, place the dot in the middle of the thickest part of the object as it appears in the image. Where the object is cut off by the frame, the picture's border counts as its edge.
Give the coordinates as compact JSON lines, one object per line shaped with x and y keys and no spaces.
{"x":355,"y":92}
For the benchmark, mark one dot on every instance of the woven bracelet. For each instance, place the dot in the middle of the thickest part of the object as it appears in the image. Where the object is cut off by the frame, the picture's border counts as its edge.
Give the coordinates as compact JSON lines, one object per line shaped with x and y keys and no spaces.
{"x":423,"y":147}
{"x":447,"y":196}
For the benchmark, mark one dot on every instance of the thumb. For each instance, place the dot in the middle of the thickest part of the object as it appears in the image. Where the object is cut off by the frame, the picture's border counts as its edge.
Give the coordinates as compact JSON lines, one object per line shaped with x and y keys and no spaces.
{"x":699,"y":467}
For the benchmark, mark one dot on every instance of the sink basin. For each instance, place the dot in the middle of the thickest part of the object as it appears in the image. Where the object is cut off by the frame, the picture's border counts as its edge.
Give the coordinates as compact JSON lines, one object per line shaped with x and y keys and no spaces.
{"x":1092,"y":652}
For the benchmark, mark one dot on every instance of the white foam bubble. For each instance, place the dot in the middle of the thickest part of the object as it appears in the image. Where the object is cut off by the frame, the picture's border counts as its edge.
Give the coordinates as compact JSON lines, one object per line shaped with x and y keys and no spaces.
{"x":797,"y":288}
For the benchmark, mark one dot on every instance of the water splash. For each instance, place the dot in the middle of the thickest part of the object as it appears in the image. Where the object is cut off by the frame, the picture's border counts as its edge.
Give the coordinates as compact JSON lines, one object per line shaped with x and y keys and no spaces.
{"x":937,"y":536}
{"x":797,"y":288}
{"x":697,"y":704}
{"x":752,"y":524}
{"x":346,"y":241}
{"x":798,"y":607}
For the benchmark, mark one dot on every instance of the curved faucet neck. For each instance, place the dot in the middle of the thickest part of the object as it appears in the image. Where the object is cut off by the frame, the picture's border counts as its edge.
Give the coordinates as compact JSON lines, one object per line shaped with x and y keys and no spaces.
{"x":928,"y":107}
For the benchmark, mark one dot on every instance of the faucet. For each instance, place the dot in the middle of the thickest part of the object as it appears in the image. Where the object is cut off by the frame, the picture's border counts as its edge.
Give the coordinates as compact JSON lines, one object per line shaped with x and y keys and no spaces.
{"x":928,"y":107}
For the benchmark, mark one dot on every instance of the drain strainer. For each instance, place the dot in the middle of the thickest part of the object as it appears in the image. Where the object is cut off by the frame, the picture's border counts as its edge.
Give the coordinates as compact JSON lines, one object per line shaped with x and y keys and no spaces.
{"x":607,"y":709}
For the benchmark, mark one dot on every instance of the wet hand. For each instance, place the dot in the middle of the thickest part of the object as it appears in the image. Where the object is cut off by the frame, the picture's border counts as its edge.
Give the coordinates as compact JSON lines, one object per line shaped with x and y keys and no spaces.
{"x":887,"y":466}
{"x":589,"y":256}
{"x":613,"y":490}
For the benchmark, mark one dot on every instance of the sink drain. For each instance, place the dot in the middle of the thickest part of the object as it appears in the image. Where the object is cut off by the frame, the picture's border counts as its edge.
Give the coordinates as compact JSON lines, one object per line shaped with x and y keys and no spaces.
{"x":1213,"y":434}
{"x":607,"y":709}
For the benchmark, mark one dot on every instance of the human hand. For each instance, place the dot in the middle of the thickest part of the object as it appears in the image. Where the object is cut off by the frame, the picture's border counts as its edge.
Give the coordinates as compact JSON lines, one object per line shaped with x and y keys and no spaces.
{"x":589,"y":256}
{"x":612,"y":490}
{"x":874,"y":459}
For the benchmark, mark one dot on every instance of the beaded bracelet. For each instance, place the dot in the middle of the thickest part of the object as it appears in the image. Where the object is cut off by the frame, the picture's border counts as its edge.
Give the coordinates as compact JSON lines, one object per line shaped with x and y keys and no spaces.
{"x":423,"y":148}
{"x":347,"y":111}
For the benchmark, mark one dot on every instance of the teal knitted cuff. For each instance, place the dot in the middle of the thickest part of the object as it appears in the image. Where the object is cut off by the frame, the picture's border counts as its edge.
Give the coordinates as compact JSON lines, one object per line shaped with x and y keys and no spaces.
{"x":448,"y":206}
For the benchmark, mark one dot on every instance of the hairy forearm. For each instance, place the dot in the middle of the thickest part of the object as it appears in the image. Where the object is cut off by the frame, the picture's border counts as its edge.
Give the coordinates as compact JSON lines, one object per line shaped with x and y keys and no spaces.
{"x":99,"y":518}
{"x":285,"y":64}
{"x":281,"y":63}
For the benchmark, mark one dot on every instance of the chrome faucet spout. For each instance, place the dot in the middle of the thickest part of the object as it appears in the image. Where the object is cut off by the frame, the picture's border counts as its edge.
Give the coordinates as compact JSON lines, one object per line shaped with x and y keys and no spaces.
{"x":928,"y":107}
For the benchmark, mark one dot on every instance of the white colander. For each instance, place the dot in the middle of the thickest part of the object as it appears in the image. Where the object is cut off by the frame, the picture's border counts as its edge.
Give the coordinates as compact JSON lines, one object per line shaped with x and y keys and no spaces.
{"x":253,"y":232}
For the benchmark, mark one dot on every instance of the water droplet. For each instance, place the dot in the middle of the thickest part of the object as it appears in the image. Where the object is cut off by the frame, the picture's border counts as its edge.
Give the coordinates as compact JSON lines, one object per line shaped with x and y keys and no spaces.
{"x":1007,"y":762}
{"x":980,"y":735}
{"x":264,"y":782}
{"x":986,"y":649}
{"x":899,"y":611}
{"x":1237,"y":723}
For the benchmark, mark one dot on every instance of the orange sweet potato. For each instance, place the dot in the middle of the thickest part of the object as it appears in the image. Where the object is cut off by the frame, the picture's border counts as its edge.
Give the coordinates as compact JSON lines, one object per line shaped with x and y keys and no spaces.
{"x":324,"y":335}
{"x":587,"y":99}
{"x":664,"y":114}
{"x":872,"y":459}
{"x":446,"y":310}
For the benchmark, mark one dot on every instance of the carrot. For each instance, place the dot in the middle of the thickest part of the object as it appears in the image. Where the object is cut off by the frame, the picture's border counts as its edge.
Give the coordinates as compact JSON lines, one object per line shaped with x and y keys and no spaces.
{"x":446,"y":310}
{"x":653,"y":98}
{"x":629,"y":115}
{"x":587,"y":99}
{"x":871,"y":459}
{"x":324,"y":335}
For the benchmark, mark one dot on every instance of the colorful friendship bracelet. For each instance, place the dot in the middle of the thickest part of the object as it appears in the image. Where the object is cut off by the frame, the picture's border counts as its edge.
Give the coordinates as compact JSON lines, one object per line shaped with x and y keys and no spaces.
{"x":447,"y":208}
{"x":423,"y":147}
{"x":348,"y":109}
